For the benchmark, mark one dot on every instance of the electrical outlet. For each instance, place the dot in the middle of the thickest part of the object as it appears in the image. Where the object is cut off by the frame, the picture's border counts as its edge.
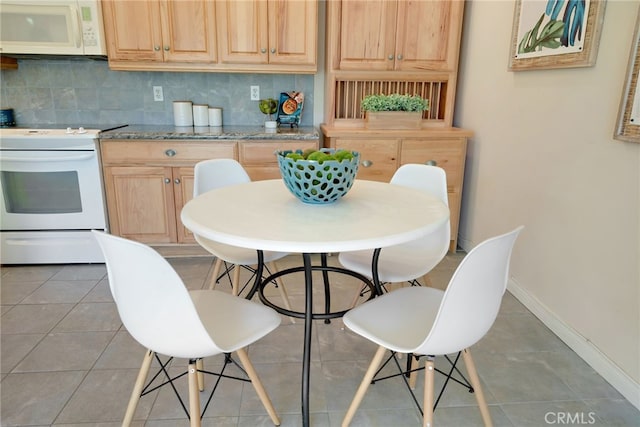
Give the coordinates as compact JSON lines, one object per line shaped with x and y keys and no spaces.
{"x":157,"y":93}
{"x":255,"y":93}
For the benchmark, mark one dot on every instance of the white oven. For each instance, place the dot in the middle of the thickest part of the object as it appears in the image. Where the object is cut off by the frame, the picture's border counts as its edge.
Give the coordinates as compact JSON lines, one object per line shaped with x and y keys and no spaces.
{"x":50,"y":196}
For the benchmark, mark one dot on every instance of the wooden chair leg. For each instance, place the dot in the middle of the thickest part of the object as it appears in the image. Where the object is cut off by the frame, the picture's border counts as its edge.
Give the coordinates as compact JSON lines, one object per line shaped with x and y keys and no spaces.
{"x":194,"y":395}
{"x":413,"y":376}
{"x":257,"y":384}
{"x":137,"y":388}
{"x":235,"y":283}
{"x":427,"y":404}
{"x":364,"y":385}
{"x":216,"y":271}
{"x":357,"y":295}
{"x":200,"y":366}
{"x":427,"y":280}
{"x":475,"y":383}
{"x":283,"y":292}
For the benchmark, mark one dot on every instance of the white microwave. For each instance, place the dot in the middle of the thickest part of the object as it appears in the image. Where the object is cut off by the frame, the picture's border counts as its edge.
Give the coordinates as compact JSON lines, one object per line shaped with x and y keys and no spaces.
{"x":51,"y":27}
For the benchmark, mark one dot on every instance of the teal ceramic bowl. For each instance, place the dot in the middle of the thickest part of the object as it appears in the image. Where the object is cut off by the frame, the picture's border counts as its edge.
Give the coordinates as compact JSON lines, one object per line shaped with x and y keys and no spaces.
{"x":318,"y":182}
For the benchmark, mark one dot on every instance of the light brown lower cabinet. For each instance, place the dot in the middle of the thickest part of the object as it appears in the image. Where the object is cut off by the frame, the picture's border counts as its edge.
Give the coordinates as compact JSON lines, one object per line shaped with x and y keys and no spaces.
{"x":144,"y":202}
{"x":382,"y":152}
{"x":147,"y":182}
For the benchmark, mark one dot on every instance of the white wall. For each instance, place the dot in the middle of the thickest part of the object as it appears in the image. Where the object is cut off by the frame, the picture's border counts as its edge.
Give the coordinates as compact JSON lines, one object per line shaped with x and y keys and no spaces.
{"x":543,"y":155}
{"x":318,"y":78}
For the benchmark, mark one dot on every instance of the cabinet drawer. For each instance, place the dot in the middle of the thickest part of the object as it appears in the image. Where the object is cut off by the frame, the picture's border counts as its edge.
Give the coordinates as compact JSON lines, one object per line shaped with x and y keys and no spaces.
{"x":259,"y":173}
{"x":174,"y":153}
{"x":263,"y":153}
{"x":378,"y":157}
{"x":449,"y":154}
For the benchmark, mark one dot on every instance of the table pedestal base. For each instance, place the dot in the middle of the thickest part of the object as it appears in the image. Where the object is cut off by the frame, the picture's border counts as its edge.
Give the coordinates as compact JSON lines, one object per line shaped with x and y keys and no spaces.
{"x":308,"y":315}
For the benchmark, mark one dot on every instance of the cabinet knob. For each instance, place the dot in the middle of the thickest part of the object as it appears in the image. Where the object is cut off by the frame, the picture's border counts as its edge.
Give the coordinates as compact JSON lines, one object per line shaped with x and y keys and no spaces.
{"x":367,"y":163}
{"x":273,"y":50}
{"x":170,"y":153}
{"x":167,"y":180}
{"x":263,"y":50}
{"x":176,"y":181}
{"x":390,"y":57}
{"x":400,"y":57}
{"x":167,"y":48}
{"x":431,"y":162}
{"x":156,"y":48}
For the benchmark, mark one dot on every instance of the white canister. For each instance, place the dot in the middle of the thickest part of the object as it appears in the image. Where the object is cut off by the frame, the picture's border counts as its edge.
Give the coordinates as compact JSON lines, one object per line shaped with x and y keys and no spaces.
{"x":271,"y":125}
{"x":182,"y":113}
{"x":215,"y":116}
{"x":200,"y":115}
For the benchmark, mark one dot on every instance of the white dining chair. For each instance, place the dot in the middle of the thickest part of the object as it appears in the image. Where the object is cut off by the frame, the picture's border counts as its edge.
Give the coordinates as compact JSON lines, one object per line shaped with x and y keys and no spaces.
{"x":161,"y":314}
{"x":429,"y":322}
{"x":413,"y":260}
{"x":218,"y":173}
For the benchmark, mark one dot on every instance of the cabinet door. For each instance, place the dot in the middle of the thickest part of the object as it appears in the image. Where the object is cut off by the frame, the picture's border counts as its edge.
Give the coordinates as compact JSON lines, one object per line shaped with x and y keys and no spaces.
{"x":183,"y":192}
{"x":400,"y":35}
{"x":141,"y":203}
{"x":378,"y":157}
{"x":188,"y":31}
{"x":367,"y":37}
{"x":293,"y":27}
{"x":132,"y":30}
{"x":427,"y":35}
{"x":450,"y":155}
{"x":243,"y":32}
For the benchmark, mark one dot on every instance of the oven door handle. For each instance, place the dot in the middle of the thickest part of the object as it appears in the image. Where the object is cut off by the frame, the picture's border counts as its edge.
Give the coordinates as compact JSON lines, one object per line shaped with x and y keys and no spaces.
{"x":89,"y":155}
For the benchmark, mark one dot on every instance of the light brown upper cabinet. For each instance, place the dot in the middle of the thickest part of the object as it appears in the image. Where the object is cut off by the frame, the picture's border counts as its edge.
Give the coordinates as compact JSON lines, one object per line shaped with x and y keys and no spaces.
{"x":391,"y":46}
{"x":399,"y":35}
{"x":275,"y":32}
{"x":159,"y":31}
{"x":260,"y":36}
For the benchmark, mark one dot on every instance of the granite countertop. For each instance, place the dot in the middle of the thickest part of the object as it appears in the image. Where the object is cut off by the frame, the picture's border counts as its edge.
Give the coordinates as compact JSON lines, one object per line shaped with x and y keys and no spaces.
{"x":209,"y":133}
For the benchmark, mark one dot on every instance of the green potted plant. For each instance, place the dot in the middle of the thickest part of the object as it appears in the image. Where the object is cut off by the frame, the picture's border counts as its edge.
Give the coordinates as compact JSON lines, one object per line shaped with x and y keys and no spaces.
{"x":394,"y":111}
{"x":268,"y":107}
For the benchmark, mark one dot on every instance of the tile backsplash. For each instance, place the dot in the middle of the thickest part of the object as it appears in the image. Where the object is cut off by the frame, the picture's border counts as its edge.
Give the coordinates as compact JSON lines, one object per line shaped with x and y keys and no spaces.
{"x":84,"y":91}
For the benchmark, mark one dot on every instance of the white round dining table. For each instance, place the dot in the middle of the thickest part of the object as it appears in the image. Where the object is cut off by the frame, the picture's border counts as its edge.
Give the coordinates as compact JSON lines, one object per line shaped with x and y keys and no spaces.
{"x":265,"y":215}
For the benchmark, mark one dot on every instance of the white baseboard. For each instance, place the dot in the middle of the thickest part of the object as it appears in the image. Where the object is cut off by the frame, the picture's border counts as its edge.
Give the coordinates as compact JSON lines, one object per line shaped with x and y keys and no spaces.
{"x":583,"y":348}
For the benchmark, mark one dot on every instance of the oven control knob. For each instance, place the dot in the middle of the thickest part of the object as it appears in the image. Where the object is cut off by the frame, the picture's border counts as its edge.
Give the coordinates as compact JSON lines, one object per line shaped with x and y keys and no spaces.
{"x":69,"y":130}
{"x":82,"y":130}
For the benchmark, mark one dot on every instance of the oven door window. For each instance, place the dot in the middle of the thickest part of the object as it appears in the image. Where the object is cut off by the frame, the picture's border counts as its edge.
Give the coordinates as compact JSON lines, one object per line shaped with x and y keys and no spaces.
{"x":50,"y":190}
{"x":41,"y":192}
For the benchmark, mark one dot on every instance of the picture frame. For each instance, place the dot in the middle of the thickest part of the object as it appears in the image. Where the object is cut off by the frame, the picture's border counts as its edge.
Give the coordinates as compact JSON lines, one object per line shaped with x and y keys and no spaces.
{"x":554,"y":48}
{"x":290,"y":108}
{"x":628,"y":124}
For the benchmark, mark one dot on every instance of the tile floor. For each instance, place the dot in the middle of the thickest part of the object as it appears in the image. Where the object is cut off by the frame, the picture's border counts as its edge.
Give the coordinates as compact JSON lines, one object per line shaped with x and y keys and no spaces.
{"x":66,"y":360}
